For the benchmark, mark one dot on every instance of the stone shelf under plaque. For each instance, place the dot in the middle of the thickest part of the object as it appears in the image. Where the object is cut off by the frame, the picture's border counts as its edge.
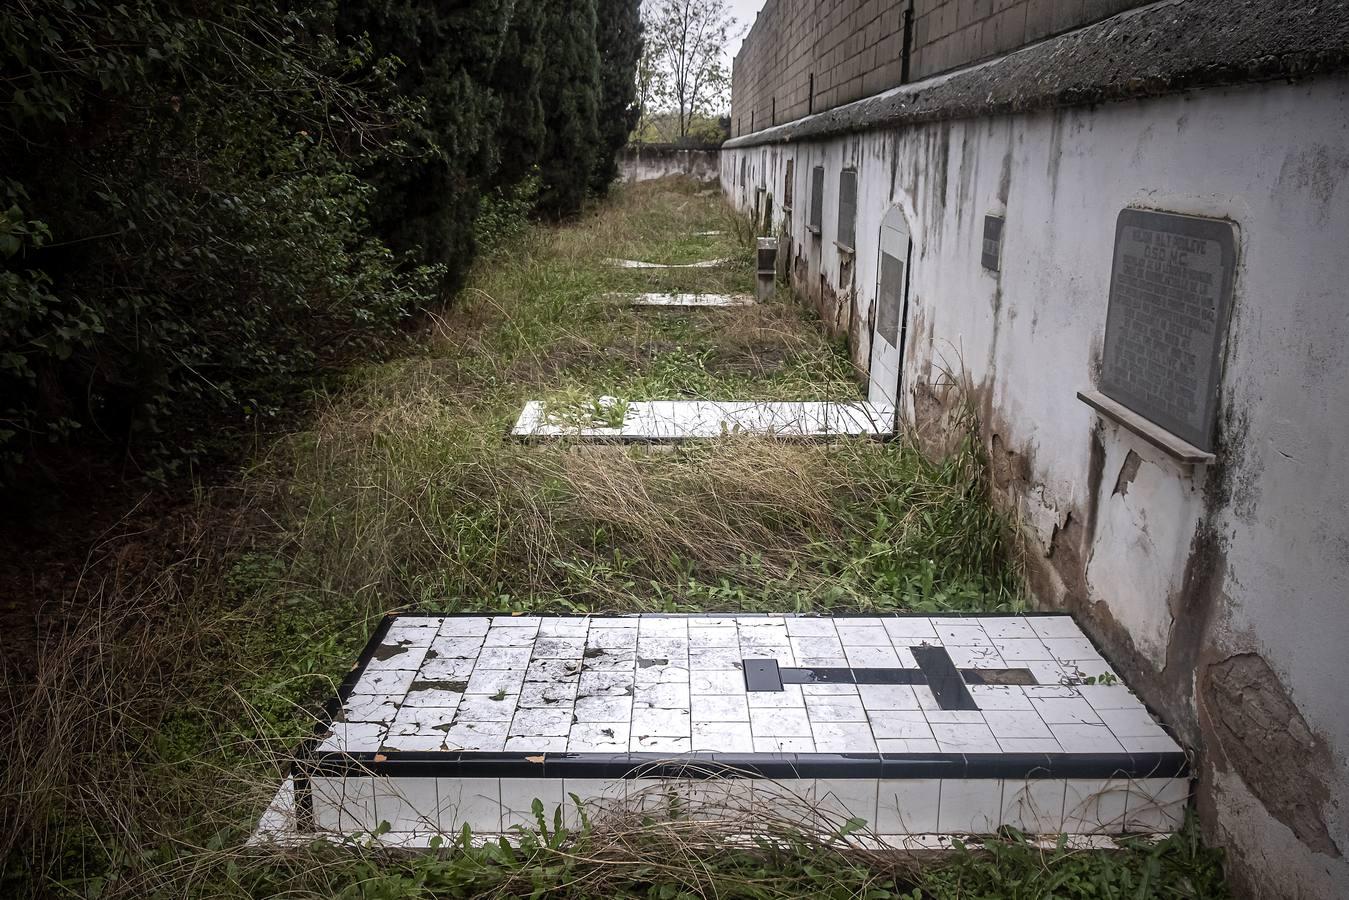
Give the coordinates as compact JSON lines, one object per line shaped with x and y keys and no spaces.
{"x":1173,"y":446}
{"x":917,"y":725}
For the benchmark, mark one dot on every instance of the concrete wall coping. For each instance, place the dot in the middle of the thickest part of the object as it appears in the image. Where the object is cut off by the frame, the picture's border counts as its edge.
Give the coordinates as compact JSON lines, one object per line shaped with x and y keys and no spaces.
{"x":1164,"y":48}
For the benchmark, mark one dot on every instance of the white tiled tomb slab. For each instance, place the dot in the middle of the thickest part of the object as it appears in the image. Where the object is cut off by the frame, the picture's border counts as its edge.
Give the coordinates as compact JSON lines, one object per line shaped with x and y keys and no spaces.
{"x":679,"y":300}
{"x":918,"y":726}
{"x":639,"y":264}
{"x":677,"y":420}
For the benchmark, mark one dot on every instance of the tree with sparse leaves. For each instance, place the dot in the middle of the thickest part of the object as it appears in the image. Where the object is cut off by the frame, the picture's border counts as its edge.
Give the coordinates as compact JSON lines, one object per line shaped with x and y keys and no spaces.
{"x":683,"y":70}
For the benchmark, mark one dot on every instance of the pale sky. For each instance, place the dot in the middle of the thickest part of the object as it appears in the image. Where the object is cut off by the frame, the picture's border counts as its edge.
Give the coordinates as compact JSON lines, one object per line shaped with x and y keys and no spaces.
{"x":744,"y":12}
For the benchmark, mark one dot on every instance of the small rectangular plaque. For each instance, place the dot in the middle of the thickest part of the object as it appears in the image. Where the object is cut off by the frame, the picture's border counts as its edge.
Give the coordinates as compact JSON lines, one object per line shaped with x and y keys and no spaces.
{"x":817,"y":199}
{"x":762,"y":675}
{"x":1170,"y":298}
{"x":992,"y":242}
{"x":847,"y":208}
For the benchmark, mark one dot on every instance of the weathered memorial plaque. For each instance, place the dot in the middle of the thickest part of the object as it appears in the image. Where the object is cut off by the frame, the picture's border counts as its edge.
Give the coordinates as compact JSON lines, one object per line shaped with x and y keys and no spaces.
{"x":1170,"y":297}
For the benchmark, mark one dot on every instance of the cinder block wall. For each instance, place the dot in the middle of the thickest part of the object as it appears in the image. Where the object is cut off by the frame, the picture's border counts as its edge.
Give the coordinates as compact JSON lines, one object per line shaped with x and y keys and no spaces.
{"x":803,"y":56}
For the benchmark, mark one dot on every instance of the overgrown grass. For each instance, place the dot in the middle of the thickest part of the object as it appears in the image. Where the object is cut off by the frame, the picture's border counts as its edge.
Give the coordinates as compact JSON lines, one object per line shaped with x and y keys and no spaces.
{"x":159,"y":717}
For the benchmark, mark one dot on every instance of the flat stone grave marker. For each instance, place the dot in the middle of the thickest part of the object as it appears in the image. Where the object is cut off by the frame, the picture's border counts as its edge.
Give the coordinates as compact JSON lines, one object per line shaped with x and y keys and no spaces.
{"x":687,"y":300}
{"x":917,"y":725}
{"x":678,"y":420}
{"x":639,"y":264}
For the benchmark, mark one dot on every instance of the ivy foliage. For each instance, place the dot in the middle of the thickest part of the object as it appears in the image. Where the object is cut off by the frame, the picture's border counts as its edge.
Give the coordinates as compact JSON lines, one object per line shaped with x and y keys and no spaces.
{"x":205,"y":206}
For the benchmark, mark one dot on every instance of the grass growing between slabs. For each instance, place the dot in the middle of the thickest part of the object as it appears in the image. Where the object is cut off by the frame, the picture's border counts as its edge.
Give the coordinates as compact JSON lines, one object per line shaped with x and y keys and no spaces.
{"x":159,"y":718}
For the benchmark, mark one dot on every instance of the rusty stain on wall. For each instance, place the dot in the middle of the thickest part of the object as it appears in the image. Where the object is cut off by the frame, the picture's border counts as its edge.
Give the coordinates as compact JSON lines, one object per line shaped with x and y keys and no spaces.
{"x":1258,"y":732}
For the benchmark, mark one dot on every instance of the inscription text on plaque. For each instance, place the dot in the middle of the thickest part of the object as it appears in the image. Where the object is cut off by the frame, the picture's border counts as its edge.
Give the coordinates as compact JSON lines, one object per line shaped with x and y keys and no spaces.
{"x":1170,"y":298}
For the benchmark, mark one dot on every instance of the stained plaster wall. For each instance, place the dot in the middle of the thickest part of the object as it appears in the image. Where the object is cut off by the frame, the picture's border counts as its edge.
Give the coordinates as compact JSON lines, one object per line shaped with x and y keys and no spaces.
{"x":646,"y":163}
{"x":1222,"y":591}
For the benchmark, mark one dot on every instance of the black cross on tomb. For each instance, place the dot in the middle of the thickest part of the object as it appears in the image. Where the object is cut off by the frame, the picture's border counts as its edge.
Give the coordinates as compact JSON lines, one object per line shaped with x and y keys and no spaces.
{"x":935,"y":669}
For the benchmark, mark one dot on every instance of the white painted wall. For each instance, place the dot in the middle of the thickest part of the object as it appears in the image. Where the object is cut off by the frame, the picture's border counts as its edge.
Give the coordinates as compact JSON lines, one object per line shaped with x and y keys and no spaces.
{"x":1274,"y":159}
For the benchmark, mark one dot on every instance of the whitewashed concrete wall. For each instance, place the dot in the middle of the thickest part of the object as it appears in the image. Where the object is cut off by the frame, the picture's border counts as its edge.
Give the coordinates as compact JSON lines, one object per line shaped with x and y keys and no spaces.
{"x":1194,"y":581}
{"x":641,"y":163}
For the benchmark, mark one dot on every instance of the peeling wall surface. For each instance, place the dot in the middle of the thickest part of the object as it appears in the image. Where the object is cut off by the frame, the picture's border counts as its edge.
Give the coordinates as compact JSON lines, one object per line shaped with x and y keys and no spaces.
{"x":1221,"y":590}
{"x":645,"y":163}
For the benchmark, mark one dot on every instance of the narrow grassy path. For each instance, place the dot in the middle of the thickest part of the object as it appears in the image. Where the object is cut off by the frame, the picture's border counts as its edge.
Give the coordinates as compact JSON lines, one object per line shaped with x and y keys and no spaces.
{"x":406,"y":494}
{"x":407,"y":489}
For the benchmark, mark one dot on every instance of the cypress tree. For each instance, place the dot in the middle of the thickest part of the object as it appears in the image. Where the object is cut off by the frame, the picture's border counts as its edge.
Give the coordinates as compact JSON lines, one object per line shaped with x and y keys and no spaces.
{"x":516,"y":82}
{"x":570,"y":94}
{"x":620,"y":47}
{"x":428,"y":198}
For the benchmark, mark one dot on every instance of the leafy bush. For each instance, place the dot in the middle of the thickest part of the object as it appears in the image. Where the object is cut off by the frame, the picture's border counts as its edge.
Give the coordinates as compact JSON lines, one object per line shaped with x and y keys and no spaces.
{"x":503,"y":214}
{"x":184,"y":233}
{"x":204,"y":206}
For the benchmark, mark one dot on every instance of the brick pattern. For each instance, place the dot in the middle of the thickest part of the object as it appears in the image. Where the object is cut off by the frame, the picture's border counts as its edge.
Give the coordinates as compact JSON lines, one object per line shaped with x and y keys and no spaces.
{"x":851,"y":49}
{"x":802,"y":56}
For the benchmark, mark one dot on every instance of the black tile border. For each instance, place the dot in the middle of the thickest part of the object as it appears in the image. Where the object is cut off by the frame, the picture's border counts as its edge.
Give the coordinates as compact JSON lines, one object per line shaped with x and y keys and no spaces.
{"x":702,"y":766}
{"x":736,"y":614}
{"x":308,"y":762}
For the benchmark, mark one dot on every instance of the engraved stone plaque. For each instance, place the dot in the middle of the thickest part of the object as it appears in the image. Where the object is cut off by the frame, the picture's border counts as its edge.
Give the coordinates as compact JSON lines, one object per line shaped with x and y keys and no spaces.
{"x":1170,"y":298}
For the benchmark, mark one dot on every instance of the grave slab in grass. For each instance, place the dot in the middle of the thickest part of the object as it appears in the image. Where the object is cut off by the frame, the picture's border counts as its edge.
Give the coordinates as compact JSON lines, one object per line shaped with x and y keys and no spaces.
{"x":918,"y":725}
{"x":639,"y":264}
{"x":688,"y":300}
{"x":657,"y":421}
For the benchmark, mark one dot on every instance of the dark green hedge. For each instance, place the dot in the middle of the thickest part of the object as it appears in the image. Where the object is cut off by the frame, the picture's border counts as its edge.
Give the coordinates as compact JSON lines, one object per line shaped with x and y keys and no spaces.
{"x":203,"y":205}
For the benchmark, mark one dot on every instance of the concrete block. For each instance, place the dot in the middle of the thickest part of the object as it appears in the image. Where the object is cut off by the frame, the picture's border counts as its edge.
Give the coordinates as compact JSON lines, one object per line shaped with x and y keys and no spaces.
{"x":1039,"y":19}
{"x":1068,"y":14}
